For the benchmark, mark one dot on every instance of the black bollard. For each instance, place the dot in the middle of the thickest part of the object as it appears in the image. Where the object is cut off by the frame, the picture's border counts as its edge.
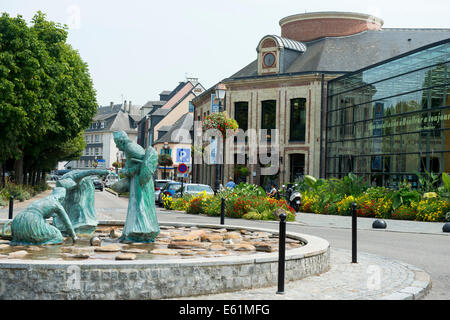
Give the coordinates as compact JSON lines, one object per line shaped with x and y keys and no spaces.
{"x":281,"y":253}
{"x":354,"y":259}
{"x":446,"y":227}
{"x":379,"y":224}
{"x":222,"y":211}
{"x":11,"y":207}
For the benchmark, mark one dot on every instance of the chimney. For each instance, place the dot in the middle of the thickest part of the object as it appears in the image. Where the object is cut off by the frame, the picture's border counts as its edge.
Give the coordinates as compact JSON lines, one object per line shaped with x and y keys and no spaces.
{"x":125,"y":106}
{"x":129,"y":106}
{"x":111,"y":104}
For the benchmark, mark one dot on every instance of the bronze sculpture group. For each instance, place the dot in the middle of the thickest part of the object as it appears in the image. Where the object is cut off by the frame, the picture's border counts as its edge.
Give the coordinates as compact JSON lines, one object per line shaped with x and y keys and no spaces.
{"x":71,"y":203}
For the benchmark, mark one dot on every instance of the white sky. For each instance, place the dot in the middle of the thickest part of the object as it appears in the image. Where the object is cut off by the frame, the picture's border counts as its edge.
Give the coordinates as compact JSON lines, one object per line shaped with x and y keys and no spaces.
{"x":136,"y":49}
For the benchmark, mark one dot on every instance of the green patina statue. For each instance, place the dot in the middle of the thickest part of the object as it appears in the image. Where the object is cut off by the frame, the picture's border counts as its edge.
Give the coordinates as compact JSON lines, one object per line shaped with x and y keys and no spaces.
{"x":141,"y":224}
{"x":30,"y":227}
{"x":79,"y":201}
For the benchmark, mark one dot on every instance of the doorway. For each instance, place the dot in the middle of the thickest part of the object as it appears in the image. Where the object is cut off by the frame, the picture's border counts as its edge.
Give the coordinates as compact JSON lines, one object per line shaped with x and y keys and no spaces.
{"x":297,"y":166}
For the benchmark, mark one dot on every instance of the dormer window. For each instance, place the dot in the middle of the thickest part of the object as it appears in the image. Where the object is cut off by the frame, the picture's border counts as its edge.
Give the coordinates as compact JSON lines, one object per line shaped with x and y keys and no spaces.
{"x":275,"y":54}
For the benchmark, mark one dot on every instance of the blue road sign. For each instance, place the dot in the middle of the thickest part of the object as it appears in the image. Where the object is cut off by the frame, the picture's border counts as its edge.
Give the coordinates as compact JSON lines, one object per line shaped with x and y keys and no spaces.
{"x":184,"y":155}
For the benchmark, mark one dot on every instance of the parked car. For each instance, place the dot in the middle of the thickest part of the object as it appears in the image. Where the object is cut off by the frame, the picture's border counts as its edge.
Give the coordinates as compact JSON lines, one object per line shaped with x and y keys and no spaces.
{"x":98,"y":183}
{"x":60,"y":173}
{"x":169,"y":189}
{"x":159,"y":184}
{"x":194,"y":189}
{"x":111,"y":179}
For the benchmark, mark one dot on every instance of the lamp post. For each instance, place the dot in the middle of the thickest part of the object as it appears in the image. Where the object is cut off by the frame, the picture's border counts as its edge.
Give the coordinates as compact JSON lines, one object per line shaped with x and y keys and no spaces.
{"x":220,"y":95}
{"x":117,"y":162}
{"x":166,"y":146}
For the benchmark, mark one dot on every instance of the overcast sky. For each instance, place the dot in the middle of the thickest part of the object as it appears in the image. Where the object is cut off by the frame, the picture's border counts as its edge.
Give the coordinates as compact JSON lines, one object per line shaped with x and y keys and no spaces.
{"x":136,"y":49}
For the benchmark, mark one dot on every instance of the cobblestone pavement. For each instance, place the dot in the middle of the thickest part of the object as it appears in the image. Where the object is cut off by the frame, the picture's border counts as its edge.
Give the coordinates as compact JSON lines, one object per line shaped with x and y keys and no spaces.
{"x":372,"y":278}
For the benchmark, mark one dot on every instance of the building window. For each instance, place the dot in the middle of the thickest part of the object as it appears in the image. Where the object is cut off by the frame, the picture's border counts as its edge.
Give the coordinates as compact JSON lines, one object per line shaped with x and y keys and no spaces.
{"x":241,"y":114}
{"x":268,"y":119}
{"x":96,"y":138}
{"x":298,"y":120}
{"x":96,"y":152}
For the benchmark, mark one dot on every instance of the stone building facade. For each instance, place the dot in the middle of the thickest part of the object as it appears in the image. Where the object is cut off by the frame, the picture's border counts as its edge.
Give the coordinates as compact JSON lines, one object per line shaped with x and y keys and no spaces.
{"x":285,"y":88}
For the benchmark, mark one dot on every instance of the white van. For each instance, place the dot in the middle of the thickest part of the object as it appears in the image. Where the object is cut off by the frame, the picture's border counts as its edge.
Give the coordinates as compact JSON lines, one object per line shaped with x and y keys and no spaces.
{"x":111,"y":179}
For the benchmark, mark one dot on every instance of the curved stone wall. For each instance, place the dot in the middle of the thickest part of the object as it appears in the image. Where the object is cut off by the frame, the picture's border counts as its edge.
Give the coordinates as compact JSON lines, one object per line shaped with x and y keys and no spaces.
{"x":310,"y":26}
{"x":156,"y":279}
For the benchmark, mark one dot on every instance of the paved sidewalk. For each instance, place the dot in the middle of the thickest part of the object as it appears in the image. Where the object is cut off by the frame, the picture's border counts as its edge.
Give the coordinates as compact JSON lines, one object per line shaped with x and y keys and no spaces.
{"x":372,"y":278}
{"x":331,"y":221}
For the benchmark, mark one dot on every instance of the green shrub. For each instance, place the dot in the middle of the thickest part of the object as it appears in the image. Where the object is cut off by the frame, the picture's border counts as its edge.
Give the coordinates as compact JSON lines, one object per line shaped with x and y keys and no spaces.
{"x":253,"y":215}
{"x":268,"y":215}
{"x":180,"y":204}
{"x":212,"y":206}
{"x":404,"y":212}
{"x":195,"y":206}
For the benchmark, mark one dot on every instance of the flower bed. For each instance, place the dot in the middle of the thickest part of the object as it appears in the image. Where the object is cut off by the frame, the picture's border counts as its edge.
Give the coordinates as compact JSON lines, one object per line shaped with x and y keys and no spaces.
{"x":245,"y":201}
{"x":336,"y":196}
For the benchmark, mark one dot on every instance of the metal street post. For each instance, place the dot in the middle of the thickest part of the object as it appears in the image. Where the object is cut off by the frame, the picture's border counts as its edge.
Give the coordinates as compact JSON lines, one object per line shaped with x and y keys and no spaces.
{"x":222,"y":211}
{"x":281,"y":253}
{"x":182,"y":180}
{"x":217,"y":159}
{"x":11,"y":207}
{"x":220,"y":94}
{"x":354,"y":245}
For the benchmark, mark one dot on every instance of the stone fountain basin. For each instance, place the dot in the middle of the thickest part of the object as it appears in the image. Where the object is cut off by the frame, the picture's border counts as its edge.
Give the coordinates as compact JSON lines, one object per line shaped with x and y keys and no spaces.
{"x":160,"y":278}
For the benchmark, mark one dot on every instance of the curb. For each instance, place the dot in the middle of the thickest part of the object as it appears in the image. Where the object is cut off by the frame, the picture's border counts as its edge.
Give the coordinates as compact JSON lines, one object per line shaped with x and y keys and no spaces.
{"x":418,"y":290}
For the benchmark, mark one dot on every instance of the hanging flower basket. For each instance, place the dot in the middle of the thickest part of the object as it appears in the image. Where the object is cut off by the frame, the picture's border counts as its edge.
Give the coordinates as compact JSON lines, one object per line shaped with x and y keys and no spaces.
{"x":219,"y":121}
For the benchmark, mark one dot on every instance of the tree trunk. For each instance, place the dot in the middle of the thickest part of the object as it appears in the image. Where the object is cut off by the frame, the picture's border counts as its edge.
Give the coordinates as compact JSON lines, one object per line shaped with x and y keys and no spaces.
{"x":3,"y":175}
{"x":18,"y":171}
{"x":33,"y":177}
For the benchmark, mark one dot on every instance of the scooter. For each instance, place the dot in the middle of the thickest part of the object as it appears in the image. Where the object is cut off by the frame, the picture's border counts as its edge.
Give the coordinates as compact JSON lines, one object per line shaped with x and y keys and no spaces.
{"x":293,"y":197}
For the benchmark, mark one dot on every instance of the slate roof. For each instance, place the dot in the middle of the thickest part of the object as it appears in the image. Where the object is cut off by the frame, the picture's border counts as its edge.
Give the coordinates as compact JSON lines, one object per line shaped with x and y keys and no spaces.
{"x":161,"y":112}
{"x":152,"y":104}
{"x":116,"y":119}
{"x":286,"y":43}
{"x":350,"y":53}
{"x":179,"y":131}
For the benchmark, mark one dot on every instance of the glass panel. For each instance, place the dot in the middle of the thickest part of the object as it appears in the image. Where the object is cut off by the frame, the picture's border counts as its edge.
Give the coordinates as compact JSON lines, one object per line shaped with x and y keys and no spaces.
{"x":241,"y":114}
{"x":268,"y":119}
{"x":298,"y":119}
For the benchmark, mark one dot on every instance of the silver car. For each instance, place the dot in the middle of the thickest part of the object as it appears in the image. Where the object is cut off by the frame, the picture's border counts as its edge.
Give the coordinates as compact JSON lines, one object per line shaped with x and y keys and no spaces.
{"x":194,"y":189}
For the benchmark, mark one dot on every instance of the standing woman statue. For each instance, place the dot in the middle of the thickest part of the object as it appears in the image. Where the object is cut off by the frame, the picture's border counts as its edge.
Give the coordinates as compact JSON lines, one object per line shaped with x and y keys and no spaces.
{"x":141,"y":224}
{"x":80,"y":200}
{"x":30,"y":226}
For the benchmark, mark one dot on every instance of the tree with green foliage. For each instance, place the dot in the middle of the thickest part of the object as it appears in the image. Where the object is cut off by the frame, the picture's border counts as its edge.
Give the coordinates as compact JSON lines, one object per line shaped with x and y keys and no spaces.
{"x":47,"y":97}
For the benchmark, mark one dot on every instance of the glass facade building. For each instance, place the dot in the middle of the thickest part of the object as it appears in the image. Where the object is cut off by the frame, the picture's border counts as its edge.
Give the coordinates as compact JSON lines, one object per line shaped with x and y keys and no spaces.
{"x":391,"y":120}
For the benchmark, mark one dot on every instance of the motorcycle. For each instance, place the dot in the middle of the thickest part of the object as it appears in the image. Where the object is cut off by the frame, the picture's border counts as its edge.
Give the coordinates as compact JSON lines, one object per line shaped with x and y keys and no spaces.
{"x":293,"y":197}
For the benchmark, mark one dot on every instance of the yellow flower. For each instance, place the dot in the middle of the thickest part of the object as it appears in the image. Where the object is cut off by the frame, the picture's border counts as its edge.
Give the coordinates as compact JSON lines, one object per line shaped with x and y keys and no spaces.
{"x":429,"y":195}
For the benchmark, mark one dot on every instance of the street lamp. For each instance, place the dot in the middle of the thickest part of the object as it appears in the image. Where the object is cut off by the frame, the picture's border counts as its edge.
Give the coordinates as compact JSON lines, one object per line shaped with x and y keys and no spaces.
{"x":220,"y":95}
{"x":166,"y":146}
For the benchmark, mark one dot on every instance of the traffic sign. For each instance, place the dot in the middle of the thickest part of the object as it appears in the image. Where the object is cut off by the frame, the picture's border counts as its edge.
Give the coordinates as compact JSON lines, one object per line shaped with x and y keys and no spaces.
{"x":182,"y":168}
{"x":183,"y":155}
{"x":101,"y":163}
